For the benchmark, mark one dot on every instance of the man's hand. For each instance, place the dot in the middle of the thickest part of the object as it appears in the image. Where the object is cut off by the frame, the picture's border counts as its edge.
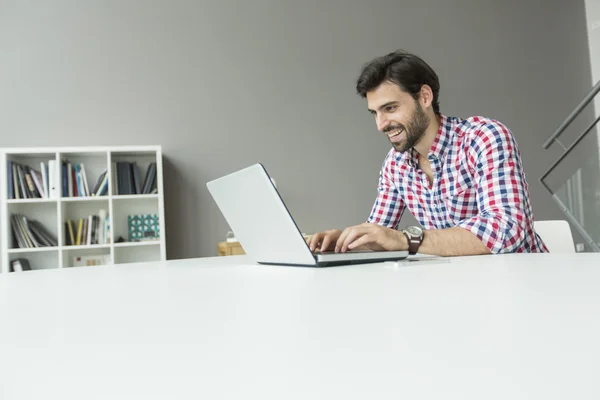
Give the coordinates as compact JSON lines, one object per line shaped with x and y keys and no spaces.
{"x":325,"y":240}
{"x":454,"y":241}
{"x":372,"y":237}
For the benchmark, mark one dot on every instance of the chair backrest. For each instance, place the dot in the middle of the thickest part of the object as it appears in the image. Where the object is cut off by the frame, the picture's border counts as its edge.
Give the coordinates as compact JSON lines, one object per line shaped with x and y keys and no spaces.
{"x":556,"y":235}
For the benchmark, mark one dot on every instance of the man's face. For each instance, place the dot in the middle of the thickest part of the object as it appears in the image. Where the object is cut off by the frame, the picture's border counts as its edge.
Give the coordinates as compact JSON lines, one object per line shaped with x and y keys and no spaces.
{"x":398,"y":115}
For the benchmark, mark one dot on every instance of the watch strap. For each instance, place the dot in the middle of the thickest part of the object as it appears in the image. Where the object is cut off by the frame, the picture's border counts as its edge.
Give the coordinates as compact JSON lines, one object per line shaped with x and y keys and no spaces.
{"x":414,"y":242}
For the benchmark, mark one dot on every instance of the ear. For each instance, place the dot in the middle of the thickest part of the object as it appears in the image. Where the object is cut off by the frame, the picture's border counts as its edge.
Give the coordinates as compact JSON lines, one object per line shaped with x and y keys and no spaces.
{"x":426,"y":96}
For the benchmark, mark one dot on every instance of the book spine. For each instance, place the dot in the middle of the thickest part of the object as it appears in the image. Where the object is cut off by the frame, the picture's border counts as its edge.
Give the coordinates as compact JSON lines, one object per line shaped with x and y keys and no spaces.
{"x":17,"y":231}
{"x":25,"y":235}
{"x":51,"y":172}
{"x":16,"y":182}
{"x":44,"y":179}
{"x":86,"y":188}
{"x":11,"y":190}
{"x":101,"y":227}
{"x":69,"y":179}
{"x":22,"y":184}
{"x":71,"y":234}
{"x":37,"y":180}
{"x":79,"y":232}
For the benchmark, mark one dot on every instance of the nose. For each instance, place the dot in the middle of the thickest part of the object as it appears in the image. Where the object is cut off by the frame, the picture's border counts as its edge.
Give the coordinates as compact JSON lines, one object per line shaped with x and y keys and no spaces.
{"x":382,"y":122}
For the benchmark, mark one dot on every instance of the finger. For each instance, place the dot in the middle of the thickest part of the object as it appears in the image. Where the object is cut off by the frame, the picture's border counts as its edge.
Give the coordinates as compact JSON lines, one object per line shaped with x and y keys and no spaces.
{"x":341,"y":239}
{"x":309,"y":241}
{"x":326,"y":242}
{"x":352,"y":236}
{"x":314,"y":241}
{"x":364,"y":240}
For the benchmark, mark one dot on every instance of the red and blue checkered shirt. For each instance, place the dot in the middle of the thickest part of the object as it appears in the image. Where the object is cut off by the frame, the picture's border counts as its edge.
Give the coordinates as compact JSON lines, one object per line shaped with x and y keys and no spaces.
{"x":478,"y":184}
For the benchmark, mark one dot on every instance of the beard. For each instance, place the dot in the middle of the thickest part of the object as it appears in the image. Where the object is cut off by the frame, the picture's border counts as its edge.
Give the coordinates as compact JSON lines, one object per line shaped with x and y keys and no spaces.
{"x":414,"y":129}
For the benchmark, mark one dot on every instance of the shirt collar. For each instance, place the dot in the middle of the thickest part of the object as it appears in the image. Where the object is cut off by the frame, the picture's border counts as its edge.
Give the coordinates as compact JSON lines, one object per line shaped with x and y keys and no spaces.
{"x":439,"y":147}
{"x":443,"y":139}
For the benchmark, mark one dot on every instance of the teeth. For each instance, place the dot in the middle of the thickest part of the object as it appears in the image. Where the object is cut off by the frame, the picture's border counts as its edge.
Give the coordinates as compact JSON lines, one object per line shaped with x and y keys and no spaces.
{"x":397,"y":133}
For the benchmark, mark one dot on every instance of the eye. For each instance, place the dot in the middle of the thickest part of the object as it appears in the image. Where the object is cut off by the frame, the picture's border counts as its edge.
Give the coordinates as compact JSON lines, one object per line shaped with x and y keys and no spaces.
{"x":390,"y":109}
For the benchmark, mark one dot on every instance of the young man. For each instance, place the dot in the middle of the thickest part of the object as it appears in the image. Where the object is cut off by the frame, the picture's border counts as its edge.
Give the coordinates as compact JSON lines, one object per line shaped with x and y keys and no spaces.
{"x":462,"y":179}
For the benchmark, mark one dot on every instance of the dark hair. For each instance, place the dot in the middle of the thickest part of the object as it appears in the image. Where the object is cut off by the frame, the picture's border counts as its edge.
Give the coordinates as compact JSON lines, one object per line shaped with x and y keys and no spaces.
{"x":406,"y":70}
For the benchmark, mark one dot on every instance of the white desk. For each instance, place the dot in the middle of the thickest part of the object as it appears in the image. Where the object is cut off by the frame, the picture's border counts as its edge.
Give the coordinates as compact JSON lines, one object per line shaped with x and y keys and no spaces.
{"x":491,"y":327}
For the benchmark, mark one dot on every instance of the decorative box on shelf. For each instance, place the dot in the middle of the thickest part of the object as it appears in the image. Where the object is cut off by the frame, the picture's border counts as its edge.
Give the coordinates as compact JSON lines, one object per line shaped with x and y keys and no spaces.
{"x":143,"y":227}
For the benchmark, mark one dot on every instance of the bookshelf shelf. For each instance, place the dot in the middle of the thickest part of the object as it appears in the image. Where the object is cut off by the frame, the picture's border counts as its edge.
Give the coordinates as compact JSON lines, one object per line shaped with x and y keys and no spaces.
{"x":21,"y":201}
{"x":85,"y":247}
{"x":134,"y":244}
{"x":135,"y":196}
{"x":33,"y":250}
{"x":82,"y":201}
{"x":84,"y":198}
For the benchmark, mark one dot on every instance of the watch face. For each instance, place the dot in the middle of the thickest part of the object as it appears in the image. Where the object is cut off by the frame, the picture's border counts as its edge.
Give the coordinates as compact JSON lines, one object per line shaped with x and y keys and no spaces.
{"x":414,"y":230}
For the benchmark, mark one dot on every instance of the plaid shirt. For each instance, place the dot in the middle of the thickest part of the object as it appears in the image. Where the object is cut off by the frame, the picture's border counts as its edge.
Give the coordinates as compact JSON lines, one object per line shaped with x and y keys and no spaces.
{"x":478,"y":184}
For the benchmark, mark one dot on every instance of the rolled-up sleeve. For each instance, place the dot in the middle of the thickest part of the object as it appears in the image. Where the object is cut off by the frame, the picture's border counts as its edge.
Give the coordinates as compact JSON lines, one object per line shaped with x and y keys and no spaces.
{"x":388,"y":208}
{"x":502,"y":193}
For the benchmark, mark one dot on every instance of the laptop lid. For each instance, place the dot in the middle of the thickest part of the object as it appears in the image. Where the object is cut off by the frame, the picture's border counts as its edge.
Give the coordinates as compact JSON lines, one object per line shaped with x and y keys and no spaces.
{"x":262,"y":223}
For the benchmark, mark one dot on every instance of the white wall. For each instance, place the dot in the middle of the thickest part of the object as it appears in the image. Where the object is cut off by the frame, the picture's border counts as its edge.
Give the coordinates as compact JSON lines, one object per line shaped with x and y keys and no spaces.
{"x":592,"y":16}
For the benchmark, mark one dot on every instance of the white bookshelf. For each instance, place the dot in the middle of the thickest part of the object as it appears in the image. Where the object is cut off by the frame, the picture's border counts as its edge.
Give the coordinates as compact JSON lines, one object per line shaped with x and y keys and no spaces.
{"x":52,"y":211}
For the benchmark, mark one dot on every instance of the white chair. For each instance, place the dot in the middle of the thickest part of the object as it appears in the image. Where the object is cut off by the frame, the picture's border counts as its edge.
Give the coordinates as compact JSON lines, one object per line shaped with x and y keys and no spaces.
{"x":556,"y":235}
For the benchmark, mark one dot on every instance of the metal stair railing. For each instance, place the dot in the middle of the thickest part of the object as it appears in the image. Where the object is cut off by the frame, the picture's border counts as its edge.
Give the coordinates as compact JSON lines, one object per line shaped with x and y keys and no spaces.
{"x":554,"y":138}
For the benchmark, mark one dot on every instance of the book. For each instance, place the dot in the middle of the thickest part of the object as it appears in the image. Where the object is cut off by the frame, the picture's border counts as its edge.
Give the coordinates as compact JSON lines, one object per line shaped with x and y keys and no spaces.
{"x":17,"y":234}
{"x":53,"y":181}
{"x":29,"y":233}
{"x":101,"y":229}
{"x":16,"y":186}
{"x":64,"y":180}
{"x":79,"y":232}
{"x":103,"y":177}
{"x":102,"y":185}
{"x":32,"y":236}
{"x":79,"y":191}
{"x":31,"y":187}
{"x":20,"y":265}
{"x":11,"y":188}
{"x":38,"y":181}
{"x":123,"y":184}
{"x":44,"y":172}
{"x":42,"y":233}
{"x":86,"y":188}
{"x":71,"y":234}
{"x":23,"y":185}
{"x":24,"y":234}
{"x":71,"y":180}
{"x":150,"y":179}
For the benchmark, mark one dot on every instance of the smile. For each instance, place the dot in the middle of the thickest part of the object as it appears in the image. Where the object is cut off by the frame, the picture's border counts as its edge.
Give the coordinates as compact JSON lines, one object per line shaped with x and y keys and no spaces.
{"x":395,"y":134}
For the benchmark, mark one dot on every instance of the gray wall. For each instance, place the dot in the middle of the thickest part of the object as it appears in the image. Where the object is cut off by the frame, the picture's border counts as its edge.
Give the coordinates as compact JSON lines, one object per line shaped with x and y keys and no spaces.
{"x":221,"y":85}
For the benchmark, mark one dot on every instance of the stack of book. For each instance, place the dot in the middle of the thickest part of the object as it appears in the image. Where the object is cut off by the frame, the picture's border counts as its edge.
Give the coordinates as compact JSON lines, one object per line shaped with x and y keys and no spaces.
{"x":94,"y":229}
{"x":30,"y":233}
{"x":75,"y":184}
{"x":129,"y":180}
{"x":25,"y":182}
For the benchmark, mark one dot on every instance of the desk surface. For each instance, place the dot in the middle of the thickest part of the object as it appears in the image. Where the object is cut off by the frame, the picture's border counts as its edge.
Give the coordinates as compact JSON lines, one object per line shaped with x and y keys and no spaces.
{"x":490,"y":327}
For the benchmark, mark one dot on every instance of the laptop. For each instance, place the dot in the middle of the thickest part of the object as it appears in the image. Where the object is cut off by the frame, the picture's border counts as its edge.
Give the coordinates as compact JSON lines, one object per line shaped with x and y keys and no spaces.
{"x":262,"y":223}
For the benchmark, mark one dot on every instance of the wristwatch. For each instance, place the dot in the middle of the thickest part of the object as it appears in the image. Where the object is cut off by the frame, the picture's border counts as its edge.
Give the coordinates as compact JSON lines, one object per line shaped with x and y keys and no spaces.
{"x":414,"y":235}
